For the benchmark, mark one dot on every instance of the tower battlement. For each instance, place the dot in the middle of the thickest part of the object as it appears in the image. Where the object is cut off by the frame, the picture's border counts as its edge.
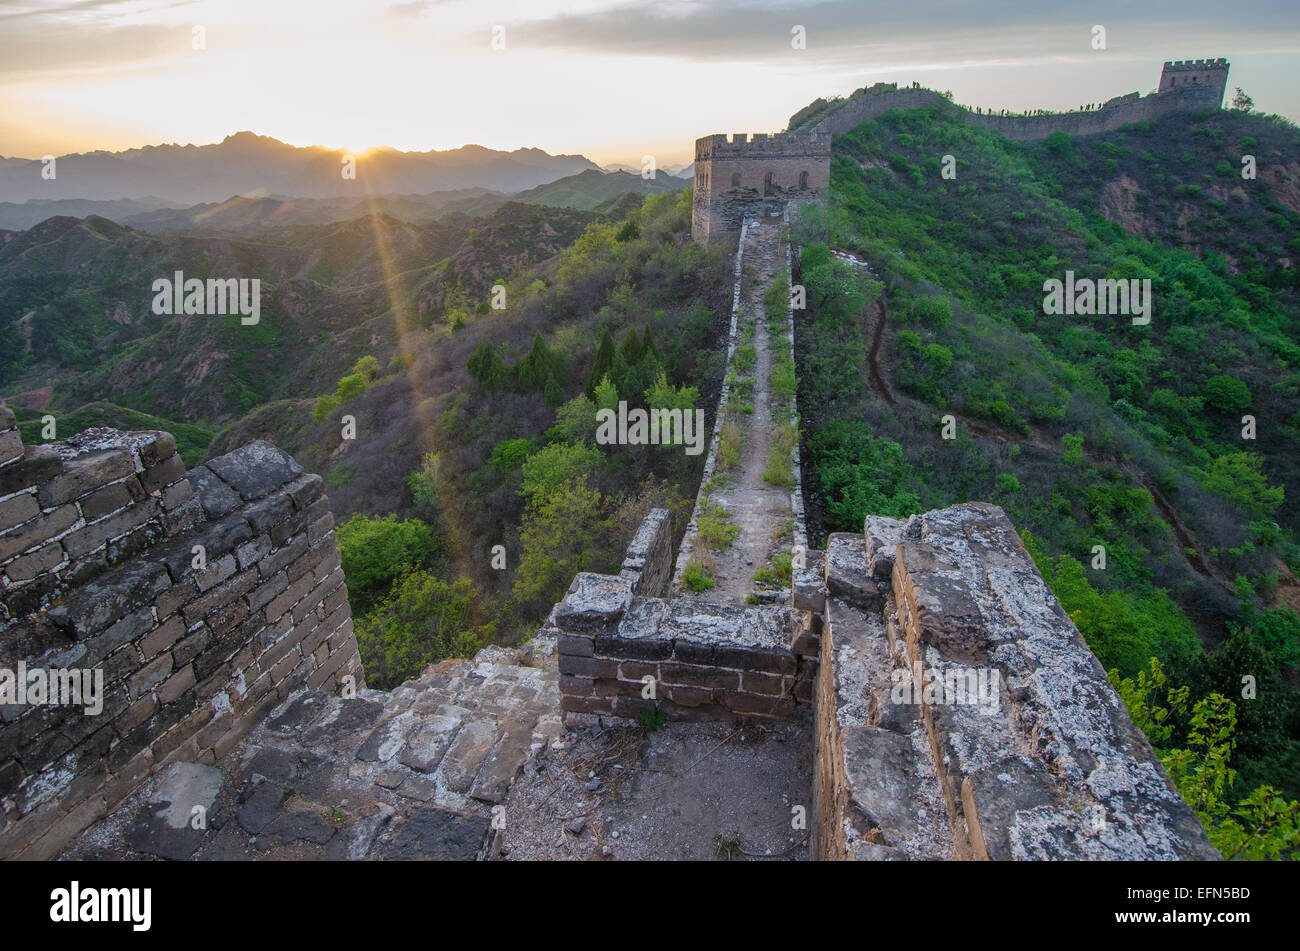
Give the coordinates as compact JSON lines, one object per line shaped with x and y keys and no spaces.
{"x":753,"y":174}
{"x":1210,"y":75}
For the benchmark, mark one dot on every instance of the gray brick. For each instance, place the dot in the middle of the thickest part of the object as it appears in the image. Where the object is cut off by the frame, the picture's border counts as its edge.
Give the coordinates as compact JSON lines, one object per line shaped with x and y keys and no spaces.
{"x":251,"y":552}
{"x":86,"y":540}
{"x":103,"y":501}
{"x":176,"y":684}
{"x":260,"y":596}
{"x":166,"y":472}
{"x":85,"y":473}
{"x":175,"y":494}
{"x":38,"y":464}
{"x":19,"y":509}
{"x":38,"y":530}
{"x":11,"y":446}
{"x":28,"y":566}
{"x":162,"y":637}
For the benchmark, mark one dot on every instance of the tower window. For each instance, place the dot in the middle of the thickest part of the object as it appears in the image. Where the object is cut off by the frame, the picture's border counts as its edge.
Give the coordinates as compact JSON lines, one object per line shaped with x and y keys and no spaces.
{"x":803,"y":180}
{"x":735,"y":180}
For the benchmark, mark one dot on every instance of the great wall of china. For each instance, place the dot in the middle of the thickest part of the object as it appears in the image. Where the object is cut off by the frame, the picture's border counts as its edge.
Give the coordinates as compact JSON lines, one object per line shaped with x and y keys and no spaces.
{"x":916,"y":691}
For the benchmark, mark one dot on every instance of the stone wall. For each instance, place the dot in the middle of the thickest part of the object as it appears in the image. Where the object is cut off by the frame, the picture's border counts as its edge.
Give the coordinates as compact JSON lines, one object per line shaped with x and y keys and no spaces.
{"x":648,"y":564}
{"x":960,"y":714}
{"x":704,"y":660}
{"x":201,"y":599}
{"x":848,"y":115}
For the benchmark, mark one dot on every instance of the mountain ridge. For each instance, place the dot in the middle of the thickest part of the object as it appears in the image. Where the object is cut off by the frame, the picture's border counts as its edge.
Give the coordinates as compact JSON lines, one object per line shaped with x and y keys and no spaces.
{"x":246,"y":163}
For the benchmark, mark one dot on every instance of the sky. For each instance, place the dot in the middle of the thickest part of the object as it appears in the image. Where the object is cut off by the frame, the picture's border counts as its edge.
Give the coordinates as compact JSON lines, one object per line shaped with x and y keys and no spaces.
{"x":614,"y":80}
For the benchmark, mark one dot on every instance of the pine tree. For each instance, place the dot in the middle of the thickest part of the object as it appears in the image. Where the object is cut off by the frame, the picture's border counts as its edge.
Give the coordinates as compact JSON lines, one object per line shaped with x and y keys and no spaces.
{"x":486,"y":366}
{"x":603,"y":362}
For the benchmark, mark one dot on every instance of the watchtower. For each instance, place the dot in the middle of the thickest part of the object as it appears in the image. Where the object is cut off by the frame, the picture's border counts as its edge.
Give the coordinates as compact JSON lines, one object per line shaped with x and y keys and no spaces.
{"x":1204,"y":80}
{"x":753,"y":175}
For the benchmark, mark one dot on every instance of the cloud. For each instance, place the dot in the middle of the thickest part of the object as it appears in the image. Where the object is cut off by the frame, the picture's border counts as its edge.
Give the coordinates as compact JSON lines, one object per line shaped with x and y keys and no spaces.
{"x":844,"y":33}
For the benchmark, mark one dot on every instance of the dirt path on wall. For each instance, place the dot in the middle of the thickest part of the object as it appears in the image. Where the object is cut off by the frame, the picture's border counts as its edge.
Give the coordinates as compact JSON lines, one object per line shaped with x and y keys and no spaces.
{"x":761,"y":510}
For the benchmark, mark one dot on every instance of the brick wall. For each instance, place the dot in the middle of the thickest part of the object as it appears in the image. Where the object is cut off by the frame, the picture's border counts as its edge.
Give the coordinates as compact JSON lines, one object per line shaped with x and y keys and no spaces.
{"x":648,"y":562}
{"x":703,"y":660}
{"x":100,"y":570}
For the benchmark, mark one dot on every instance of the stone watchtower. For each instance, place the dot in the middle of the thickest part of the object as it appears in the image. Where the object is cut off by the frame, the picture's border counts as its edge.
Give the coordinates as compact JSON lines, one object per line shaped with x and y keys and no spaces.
{"x":1203,"y":80}
{"x":752,"y":175}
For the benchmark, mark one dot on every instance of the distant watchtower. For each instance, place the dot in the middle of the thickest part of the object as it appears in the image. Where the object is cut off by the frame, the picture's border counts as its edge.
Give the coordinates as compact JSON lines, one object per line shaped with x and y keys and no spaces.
{"x":754,"y":175}
{"x":1202,"y":81}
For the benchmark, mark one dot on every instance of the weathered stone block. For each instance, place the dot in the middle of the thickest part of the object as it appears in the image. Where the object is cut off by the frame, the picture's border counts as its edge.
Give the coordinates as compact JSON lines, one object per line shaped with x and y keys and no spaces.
{"x":167,"y":472}
{"x":86,"y":540}
{"x":575,"y":645}
{"x":26,"y":567}
{"x":103,"y":501}
{"x":595,"y":604}
{"x":691,"y":676}
{"x":882,"y":535}
{"x":96,"y":605}
{"x":808,"y":584}
{"x":255,"y":470}
{"x":11,"y":446}
{"x":217,"y":498}
{"x":19,"y":509}
{"x":37,"y":531}
{"x":38,"y":464}
{"x":85,"y":473}
{"x":594,"y":667}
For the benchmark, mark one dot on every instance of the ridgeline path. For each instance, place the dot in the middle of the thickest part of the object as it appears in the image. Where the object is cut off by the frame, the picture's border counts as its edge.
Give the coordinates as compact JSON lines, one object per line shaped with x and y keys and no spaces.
{"x":761,"y":510}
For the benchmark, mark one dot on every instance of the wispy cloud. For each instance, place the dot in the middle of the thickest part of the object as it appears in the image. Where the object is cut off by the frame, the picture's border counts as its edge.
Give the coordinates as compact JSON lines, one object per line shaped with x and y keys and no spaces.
{"x":845,"y":32}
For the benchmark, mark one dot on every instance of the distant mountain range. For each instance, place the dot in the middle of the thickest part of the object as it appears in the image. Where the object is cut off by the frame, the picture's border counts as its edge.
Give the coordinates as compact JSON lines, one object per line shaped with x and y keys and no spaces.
{"x":254,"y":165}
{"x":587,"y":191}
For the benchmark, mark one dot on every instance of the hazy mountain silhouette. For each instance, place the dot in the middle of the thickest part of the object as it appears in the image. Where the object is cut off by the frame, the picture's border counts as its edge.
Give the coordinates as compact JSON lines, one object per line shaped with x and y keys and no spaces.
{"x":256,"y":165}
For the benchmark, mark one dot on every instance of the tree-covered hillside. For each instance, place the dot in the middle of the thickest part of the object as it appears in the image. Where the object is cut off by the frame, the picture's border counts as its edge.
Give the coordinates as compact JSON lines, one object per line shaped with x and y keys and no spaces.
{"x":478,"y":431}
{"x":1164,"y":523}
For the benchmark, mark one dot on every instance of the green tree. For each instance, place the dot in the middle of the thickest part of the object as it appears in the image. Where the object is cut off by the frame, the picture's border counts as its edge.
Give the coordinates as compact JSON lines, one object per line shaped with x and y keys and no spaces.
{"x":422,"y":621}
{"x":564,"y":532}
{"x":546,"y":470}
{"x":1236,"y":476}
{"x":1263,"y":825}
{"x":486,"y":366}
{"x":575,"y":421}
{"x":375,"y":552}
{"x":539,"y":367}
{"x":600,"y":367}
{"x":1226,"y":393}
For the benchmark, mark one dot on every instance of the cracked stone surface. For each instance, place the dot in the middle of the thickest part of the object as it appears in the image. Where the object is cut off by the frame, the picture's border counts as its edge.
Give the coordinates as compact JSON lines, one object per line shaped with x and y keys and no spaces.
{"x":412,"y":773}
